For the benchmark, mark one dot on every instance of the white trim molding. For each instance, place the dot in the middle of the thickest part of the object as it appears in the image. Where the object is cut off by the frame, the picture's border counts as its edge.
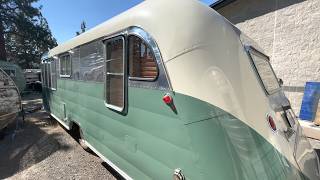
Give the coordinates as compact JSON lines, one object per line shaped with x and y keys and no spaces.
{"x":60,"y":121}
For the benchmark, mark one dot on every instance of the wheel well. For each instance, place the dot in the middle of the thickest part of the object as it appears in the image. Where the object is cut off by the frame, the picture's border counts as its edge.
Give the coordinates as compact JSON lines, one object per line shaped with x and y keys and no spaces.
{"x":77,"y":135}
{"x":75,"y":130}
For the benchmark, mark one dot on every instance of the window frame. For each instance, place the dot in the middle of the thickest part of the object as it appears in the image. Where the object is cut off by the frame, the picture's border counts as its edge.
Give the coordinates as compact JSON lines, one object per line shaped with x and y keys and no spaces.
{"x":48,"y":71}
{"x":53,"y":62}
{"x":251,"y":50}
{"x":43,"y":74}
{"x":46,"y":74}
{"x":132,"y":78}
{"x":124,"y":66}
{"x":60,"y":65}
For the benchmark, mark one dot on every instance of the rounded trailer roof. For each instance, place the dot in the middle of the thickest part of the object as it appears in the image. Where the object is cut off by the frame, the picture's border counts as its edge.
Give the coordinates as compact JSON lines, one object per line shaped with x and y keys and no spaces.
{"x":176,"y":25}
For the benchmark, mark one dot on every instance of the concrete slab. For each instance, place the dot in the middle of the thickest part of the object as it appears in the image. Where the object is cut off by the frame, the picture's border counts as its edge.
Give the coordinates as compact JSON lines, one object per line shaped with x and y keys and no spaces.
{"x":310,"y":129}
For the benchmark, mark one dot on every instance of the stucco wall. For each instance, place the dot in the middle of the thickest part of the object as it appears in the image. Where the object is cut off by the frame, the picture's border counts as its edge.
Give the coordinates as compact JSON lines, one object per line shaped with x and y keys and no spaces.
{"x":289,"y":32}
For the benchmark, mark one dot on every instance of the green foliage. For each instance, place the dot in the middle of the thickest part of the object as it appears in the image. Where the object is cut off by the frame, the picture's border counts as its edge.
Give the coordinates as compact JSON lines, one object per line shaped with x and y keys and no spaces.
{"x":25,"y":31}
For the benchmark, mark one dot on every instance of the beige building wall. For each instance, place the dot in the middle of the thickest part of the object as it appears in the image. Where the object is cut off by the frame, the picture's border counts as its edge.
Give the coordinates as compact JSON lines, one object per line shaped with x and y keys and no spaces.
{"x":289,"y":32}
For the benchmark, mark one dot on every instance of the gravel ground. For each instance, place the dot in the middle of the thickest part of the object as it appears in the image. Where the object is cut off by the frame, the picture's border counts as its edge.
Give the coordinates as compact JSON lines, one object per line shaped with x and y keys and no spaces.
{"x":41,"y":149}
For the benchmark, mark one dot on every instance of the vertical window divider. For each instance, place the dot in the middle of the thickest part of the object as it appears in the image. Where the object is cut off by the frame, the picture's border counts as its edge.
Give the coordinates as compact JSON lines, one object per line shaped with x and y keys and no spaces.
{"x":110,"y":89}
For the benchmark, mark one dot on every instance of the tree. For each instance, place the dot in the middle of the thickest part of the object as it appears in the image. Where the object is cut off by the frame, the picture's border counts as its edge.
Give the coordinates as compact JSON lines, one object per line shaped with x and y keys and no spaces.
{"x":24,"y":33}
{"x":83,"y":27}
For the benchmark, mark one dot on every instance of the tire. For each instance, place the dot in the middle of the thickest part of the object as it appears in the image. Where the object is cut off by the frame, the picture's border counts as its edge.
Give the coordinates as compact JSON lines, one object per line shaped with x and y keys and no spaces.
{"x":82,"y":141}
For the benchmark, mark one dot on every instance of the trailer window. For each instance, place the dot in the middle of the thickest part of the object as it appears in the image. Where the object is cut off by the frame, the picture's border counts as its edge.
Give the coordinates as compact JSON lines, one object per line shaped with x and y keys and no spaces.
{"x":43,"y":72}
{"x":48,"y":74}
{"x":92,"y":62}
{"x":265,"y":71}
{"x":75,"y":59}
{"x":142,"y":64}
{"x":65,"y":66}
{"x":10,"y":72}
{"x":114,"y":82}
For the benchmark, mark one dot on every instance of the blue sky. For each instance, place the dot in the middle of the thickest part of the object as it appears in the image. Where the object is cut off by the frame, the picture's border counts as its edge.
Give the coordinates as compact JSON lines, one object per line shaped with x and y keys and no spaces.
{"x":65,"y":16}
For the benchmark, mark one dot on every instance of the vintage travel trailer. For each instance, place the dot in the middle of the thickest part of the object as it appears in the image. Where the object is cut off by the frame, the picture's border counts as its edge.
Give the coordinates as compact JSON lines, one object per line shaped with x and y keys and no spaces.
{"x":10,"y":100}
{"x":170,"y":89}
{"x":15,"y":73}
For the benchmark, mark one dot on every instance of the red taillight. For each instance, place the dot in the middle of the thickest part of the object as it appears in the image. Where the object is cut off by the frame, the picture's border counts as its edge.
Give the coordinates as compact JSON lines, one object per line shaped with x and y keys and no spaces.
{"x":167,"y":99}
{"x":272,"y":123}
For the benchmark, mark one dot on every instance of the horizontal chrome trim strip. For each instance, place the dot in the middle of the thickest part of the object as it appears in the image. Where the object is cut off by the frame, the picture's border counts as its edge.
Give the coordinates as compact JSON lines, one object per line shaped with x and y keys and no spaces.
{"x":65,"y":76}
{"x":114,"y":59}
{"x":115,"y":74}
{"x":122,"y":173}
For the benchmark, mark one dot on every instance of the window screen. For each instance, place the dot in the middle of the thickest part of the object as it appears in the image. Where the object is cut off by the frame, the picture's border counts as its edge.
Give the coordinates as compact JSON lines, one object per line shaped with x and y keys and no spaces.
{"x":68,"y":66}
{"x":92,"y":62}
{"x":76,"y":64}
{"x":115,"y":73}
{"x":265,"y":71}
{"x":65,"y":66}
{"x":142,"y":64}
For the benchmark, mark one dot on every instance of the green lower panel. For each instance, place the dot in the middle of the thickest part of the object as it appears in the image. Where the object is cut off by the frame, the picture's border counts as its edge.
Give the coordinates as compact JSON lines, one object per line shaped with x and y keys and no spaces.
{"x":152,"y":140}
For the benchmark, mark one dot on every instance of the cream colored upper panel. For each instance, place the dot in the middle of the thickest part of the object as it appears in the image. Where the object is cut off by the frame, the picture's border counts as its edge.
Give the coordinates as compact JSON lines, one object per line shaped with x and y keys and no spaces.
{"x":222,"y":76}
{"x":191,"y":34}
{"x":174,"y":24}
{"x":207,"y":61}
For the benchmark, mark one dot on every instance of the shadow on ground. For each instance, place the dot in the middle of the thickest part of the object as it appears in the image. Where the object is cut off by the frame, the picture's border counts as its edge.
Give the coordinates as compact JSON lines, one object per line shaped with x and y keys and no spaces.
{"x":26,"y":143}
{"x":39,"y":148}
{"x":114,"y":173}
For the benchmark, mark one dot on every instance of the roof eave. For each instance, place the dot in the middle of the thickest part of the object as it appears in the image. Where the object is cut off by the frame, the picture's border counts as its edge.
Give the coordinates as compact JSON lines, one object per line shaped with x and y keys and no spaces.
{"x":220,"y":4}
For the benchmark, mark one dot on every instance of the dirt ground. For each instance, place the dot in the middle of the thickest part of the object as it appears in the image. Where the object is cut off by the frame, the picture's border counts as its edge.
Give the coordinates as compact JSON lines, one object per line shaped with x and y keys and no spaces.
{"x":39,"y":148}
